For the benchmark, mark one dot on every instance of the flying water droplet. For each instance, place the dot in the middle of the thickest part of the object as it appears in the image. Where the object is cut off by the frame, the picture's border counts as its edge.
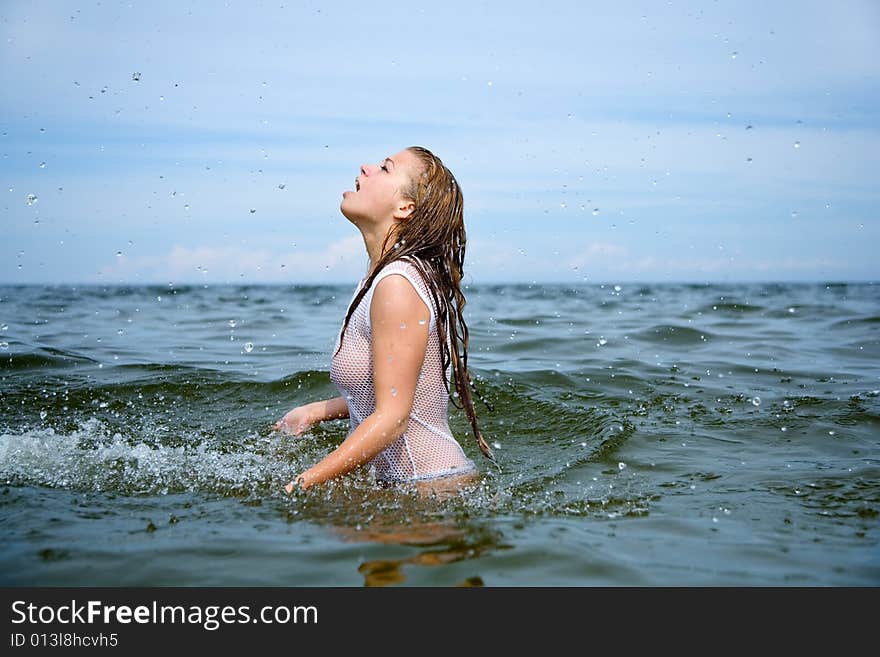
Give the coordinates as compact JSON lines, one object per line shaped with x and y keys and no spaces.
{"x":136,"y":77}
{"x":797,"y":144}
{"x":253,"y":210}
{"x":43,"y":415}
{"x":423,"y":321}
{"x":394,"y":392}
{"x":756,"y":401}
{"x":595,"y":211}
{"x":4,"y":346}
{"x":31,"y":199}
{"x":621,"y":466}
{"x":231,"y":323}
{"x":42,"y":165}
{"x":248,"y":347}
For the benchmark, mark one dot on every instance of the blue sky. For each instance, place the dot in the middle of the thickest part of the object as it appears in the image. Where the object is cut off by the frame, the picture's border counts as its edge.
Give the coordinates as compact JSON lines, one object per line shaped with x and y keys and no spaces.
{"x":639,"y":141}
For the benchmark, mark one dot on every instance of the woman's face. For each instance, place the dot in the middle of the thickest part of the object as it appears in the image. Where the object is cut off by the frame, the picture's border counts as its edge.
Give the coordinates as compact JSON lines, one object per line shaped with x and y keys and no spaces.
{"x":377,"y":195}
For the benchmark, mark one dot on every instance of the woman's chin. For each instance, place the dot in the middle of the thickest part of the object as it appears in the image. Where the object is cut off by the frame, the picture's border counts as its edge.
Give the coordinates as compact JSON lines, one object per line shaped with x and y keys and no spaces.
{"x":345,"y":207}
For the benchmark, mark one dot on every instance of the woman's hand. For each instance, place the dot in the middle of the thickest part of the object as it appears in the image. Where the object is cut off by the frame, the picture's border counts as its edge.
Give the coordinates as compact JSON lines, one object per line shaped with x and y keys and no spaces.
{"x":295,"y":421}
{"x":299,"y":482}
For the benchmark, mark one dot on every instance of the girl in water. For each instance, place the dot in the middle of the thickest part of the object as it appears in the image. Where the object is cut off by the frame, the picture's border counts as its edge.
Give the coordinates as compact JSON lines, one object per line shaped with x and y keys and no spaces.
{"x":400,"y":338}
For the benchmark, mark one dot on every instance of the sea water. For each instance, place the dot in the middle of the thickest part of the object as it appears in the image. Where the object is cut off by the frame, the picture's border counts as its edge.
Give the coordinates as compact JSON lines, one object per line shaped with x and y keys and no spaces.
{"x":646,"y":434}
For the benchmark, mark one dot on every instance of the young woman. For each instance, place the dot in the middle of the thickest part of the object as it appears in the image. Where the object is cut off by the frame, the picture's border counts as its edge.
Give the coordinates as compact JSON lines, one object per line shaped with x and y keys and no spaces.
{"x":400,"y":337}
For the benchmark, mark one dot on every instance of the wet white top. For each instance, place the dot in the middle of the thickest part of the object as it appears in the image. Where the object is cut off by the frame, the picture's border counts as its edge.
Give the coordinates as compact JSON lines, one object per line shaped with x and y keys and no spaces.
{"x":427,"y":448}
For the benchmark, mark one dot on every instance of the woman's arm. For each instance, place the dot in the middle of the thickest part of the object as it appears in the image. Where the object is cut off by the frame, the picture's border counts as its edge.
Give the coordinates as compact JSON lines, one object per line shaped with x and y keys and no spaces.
{"x":400,"y":321}
{"x":303,"y":417}
{"x":329,"y":409}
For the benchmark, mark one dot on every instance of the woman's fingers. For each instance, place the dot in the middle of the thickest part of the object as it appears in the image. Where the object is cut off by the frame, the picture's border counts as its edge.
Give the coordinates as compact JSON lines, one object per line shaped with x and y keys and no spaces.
{"x":295,"y":429}
{"x":282,"y":426}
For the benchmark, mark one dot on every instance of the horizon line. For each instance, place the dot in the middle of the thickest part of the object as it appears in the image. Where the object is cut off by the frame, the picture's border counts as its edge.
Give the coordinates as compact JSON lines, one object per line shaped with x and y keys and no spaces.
{"x":172,"y":284}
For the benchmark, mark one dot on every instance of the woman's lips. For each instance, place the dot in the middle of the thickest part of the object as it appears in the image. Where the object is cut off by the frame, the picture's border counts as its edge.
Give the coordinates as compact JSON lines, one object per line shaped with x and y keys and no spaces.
{"x":357,"y":186}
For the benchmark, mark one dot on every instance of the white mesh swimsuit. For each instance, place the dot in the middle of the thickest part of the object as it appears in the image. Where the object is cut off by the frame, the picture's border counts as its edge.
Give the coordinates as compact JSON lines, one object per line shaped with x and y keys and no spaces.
{"x":427,"y":448}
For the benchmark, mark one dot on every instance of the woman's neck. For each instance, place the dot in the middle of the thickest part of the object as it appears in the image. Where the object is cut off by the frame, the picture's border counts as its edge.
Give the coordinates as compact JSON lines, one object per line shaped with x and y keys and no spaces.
{"x":373,"y":241}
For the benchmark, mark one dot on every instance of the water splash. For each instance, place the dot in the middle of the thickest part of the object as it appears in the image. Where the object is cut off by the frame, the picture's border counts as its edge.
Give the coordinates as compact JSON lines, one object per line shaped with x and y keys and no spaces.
{"x":92,"y":458}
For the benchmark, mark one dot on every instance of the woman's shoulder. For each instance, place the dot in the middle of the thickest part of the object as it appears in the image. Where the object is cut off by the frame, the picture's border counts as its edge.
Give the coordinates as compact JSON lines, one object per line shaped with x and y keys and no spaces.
{"x":407,"y":267}
{"x":405,"y":264}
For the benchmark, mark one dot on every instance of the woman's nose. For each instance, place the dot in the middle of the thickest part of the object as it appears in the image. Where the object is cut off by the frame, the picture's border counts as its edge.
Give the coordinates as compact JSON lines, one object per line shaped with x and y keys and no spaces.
{"x":364,"y":169}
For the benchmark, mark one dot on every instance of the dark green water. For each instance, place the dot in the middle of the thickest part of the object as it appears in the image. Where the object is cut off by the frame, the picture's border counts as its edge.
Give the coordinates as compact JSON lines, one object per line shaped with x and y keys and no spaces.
{"x":647,"y":435}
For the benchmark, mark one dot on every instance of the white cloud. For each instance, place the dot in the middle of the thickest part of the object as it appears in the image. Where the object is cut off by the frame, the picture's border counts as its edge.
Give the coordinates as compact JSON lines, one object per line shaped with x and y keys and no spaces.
{"x":800,"y":264}
{"x":726,"y":267}
{"x":342,"y":260}
{"x":596,"y":251}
